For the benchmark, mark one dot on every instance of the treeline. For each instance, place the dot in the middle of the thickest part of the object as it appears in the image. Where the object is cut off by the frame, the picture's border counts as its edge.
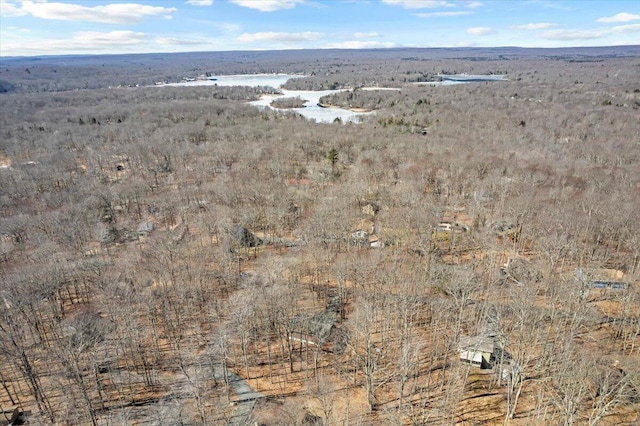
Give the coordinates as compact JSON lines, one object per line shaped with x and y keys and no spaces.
{"x":327,"y":69}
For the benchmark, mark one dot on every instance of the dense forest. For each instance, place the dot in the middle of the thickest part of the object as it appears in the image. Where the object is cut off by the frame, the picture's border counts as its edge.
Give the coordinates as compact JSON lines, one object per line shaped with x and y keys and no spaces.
{"x":467,"y":254}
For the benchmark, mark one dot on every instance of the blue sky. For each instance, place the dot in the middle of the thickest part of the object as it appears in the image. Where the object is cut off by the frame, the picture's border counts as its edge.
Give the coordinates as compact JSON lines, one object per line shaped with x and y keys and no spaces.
{"x":43,"y":27}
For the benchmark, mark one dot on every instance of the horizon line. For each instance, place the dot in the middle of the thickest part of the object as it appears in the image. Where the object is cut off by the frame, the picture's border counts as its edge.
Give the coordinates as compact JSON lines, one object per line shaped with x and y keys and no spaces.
{"x":319,"y":49}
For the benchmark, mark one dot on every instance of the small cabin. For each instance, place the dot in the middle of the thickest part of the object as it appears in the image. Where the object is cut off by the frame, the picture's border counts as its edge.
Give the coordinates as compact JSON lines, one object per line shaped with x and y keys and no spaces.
{"x":443,"y":227}
{"x":452,"y":227}
{"x":246,"y":238}
{"x":371,"y":209}
{"x":319,"y":330}
{"x":478,"y":351}
{"x":144,"y":228}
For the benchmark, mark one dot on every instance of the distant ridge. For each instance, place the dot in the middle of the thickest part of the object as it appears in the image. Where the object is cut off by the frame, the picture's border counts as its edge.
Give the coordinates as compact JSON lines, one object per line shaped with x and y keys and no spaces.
{"x":433,"y":52}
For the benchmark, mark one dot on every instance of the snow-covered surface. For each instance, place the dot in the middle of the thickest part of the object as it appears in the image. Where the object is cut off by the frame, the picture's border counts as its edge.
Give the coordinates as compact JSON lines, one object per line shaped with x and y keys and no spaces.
{"x":252,"y":80}
{"x":451,"y":79}
{"x":311,"y":109}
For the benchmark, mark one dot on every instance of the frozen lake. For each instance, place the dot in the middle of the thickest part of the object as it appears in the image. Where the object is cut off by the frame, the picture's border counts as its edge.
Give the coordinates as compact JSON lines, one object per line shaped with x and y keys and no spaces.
{"x":252,"y":80}
{"x":451,"y":79}
{"x":471,"y":78}
{"x":311,"y":109}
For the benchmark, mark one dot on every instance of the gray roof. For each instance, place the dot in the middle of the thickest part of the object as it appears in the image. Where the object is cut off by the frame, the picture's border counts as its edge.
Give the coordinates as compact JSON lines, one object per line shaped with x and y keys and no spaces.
{"x":317,"y":325}
{"x":145,"y":227}
{"x":477,"y":344}
{"x":246,"y":238}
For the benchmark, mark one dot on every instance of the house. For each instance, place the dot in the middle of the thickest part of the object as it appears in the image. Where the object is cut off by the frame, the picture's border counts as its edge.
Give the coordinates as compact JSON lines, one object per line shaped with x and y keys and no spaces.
{"x":363,"y":238}
{"x":374,"y":242}
{"x":367,"y":226}
{"x":359,"y":236}
{"x":246,"y":238}
{"x":443,"y":227}
{"x":370,"y":209}
{"x":614,"y":285}
{"x":364,"y":235}
{"x":452,"y":227}
{"x":320,"y":330}
{"x":478,"y":351}
{"x":144,"y":228}
{"x":455,"y":220}
{"x":602,"y":279}
{"x":519,"y":271}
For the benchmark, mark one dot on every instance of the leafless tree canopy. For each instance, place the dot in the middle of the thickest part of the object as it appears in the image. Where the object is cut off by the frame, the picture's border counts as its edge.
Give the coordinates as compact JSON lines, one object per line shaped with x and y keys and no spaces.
{"x":174,"y":255}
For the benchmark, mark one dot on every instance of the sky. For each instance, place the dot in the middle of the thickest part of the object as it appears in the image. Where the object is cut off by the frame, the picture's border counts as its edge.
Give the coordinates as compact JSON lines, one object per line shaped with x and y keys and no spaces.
{"x":59,"y":27}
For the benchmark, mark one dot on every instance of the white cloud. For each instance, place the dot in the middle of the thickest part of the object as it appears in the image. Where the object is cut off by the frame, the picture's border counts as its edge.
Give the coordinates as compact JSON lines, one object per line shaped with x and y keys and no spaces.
{"x":534,"y":26}
{"x":366,"y":35}
{"x":93,"y":42}
{"x":359,"y":44}
{"x":626,"y":28}
{"x":479,"y":31}
{"x":620,"y":17}
{"x":566,"y":35}
{"x":200,"y":2}
{"x":268,"y":5}
{"x":418,"y":4}
{"x":121,"y":38}
{"x":85,"y":41}
{"x":172,"y":41}
{"x":124,"y":13}
{"x":8,"y":9}
{"x":279,"y":37}
{"x":474,"y":4}
{"x":442,"y":14}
